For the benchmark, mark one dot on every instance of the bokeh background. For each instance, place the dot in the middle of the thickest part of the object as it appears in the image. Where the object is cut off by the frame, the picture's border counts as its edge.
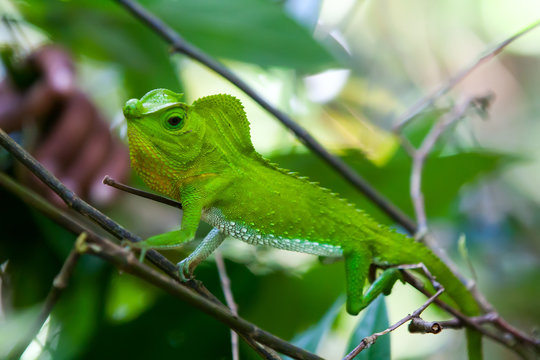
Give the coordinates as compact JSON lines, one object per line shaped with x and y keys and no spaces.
{"x":345,"y":70}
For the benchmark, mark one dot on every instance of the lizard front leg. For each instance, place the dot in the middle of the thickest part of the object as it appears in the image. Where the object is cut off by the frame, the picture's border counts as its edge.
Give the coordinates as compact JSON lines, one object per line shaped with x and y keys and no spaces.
{"x":191,"y":217}
{"x":205,"y":248}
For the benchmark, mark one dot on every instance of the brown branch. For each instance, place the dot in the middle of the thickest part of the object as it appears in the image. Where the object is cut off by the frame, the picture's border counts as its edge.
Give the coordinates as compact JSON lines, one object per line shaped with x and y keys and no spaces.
{"x":370,"y":340}
{"x":463,"y":320}
{"x":470,"y":322}
{"x":107,"y":180}
{"x":60,"y":282}
{"x":180,"y":45}
{"x":418,"y":325}
{"x":429,"y":100}
{"x":458,"y":324}
{"x":225,"y":282}
{"x":419,"y":156}
{"x":193,"y":291}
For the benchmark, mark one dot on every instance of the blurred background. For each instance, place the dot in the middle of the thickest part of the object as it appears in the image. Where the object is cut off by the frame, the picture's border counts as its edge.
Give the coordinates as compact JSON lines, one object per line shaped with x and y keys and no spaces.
{"x":345,"y":70}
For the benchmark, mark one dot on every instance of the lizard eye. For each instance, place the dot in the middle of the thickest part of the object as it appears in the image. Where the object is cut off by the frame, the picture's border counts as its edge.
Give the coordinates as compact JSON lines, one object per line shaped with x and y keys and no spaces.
{"x":175,"y":122}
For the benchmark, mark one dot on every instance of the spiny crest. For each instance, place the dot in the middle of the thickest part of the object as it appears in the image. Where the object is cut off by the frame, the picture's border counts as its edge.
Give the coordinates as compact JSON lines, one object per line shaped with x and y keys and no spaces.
{"x":229,"y":117}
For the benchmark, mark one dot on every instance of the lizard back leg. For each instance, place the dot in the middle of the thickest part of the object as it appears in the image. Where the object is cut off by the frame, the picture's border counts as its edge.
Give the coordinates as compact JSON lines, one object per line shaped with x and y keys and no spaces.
{"x":356,"y":270}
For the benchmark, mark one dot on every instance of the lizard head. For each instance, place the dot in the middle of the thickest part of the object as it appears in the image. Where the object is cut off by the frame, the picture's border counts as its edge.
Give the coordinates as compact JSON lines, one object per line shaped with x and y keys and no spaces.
{"x":167,"y":136}
{"x":162,"y":137}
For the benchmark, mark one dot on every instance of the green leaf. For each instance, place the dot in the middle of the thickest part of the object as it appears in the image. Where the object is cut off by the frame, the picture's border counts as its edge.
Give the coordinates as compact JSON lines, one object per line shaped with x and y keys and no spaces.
{"x":254,"y":31}
{"x":74,"y":320}
{"x":375,"y":319}
{"x":128,"y":298}
{"x":101,"y":30}
{"x":311,"y":338}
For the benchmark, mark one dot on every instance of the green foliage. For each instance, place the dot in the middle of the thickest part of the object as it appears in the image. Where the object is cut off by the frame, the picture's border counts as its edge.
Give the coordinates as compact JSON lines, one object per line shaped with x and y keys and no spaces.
{"x":311,"y":338}
{"x":258,"y":32}
{"x":375,"y":319}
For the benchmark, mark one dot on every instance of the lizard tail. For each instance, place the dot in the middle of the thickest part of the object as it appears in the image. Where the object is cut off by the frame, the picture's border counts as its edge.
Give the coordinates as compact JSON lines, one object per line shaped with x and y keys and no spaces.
{"x":456,"y":293}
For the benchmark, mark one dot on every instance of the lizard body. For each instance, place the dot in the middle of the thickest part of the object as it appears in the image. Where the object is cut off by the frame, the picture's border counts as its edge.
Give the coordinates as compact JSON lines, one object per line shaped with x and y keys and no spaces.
{"x":202,"y":155}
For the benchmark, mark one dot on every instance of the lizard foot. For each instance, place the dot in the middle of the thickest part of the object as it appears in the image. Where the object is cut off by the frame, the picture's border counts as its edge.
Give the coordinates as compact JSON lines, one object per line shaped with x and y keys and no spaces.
{"x":184,"y":271}
{"x":130,"y":245}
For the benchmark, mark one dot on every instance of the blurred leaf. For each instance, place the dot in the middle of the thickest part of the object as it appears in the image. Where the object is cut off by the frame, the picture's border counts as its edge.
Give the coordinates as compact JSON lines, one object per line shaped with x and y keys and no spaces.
{"x":14,"y":327}
{"x":375,"y":319}
{"x":307,"y":298}
{"x":311,"y":338}
{"x":254,"y":31}
{"x":102,"y":31}
{"x":74,"y":319}
{"x":128,"y":297}
{"x":305,"y":12}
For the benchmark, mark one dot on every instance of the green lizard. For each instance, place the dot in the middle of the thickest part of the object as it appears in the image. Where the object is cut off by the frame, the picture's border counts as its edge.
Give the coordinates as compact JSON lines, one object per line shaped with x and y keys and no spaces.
{"x":202,"y":156}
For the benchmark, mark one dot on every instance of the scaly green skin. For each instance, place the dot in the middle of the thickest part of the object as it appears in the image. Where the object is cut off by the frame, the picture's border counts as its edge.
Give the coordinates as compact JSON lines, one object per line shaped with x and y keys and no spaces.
{"x":202,"y":155}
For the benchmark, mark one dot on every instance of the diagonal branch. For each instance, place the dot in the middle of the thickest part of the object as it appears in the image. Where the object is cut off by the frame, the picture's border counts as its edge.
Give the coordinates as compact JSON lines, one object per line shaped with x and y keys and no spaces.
{"x":420,"y":155}
{"x":503,"y":339}
{"x":370,"y":340}
{"x":429,"y":100}
{"x":145,"y":194}
{"x":475,"y":322}
{"x":180,"y":45}
{"x":193,"y":292}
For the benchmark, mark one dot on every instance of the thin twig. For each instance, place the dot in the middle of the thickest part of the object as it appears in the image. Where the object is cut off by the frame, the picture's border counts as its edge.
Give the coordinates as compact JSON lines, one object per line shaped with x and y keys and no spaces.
{"x":461,"y":318}
{"x":60,"y":282}
{"x":265,"y":352}
{"x":180,"y":45}
{"x":229,"y":299}
{"x":370,"y":340}
{"x":429,"y":100}
{"x":467,"y":321}
{"x":107,"y":180}
{"x":194,"y":290}
{"x":458,"y":324}
{"x":419,"y":156}
{"x":225,"y":282}
{"x":419,"y":325}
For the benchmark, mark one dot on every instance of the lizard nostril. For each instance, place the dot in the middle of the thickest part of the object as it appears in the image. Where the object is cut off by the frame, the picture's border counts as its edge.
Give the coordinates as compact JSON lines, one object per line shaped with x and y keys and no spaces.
{"x":132,"y":109}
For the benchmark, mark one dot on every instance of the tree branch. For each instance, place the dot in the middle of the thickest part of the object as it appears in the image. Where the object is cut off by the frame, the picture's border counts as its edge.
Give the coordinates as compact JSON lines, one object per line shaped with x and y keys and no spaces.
{"x":192,"y":292}
{"x":180,"y":45}
{"x":225,"y":282}
{"x":470,"y":322}
{"x":420,"y":155}
{"x":474,"y":322}
{"x":107,"y":180}
{"x":370,"y":340}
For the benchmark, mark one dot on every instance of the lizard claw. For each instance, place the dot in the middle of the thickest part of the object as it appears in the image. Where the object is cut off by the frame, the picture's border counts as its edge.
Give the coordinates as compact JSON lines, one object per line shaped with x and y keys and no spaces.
{"x":184,"y":270}
{"x":130,"y":245}
{"x":126,"y":244}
